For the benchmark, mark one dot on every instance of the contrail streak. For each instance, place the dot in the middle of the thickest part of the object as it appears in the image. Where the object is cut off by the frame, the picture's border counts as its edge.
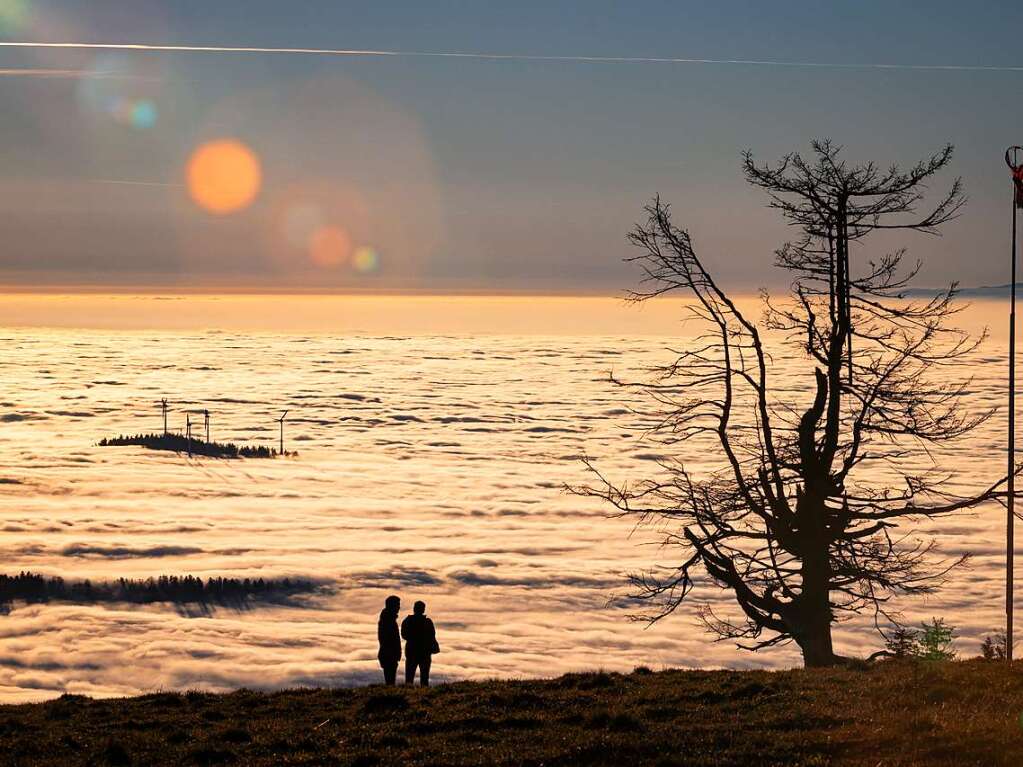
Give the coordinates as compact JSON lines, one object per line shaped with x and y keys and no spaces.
{"x":68,"y":73}
{"x":27,"y":72}
{"x":141,"y":47}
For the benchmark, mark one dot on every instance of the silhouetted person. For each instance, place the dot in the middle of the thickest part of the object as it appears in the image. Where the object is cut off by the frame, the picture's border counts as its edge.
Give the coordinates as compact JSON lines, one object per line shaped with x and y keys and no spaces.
{"x":390,"y":641}
{"x":420,"y":644}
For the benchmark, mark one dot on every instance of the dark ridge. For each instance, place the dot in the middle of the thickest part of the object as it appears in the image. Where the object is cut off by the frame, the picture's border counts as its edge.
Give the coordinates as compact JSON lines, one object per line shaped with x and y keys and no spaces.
{"x":979,"y":291}
{"x":236,"y":593}
{"x":913,"y":714}
{"x":179,"y":444}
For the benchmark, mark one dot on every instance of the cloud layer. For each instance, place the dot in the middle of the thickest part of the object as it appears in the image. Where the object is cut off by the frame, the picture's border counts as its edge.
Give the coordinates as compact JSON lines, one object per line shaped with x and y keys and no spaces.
{"x":430,"y":467}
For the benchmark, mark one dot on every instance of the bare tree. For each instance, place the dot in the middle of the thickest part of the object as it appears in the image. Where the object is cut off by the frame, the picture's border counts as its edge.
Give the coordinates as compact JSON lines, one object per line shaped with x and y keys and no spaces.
{"x":799,"y":520}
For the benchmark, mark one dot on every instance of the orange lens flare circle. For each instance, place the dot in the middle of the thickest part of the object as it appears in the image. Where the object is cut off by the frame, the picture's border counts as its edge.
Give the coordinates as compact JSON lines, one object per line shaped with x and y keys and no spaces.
{"x":330,"y":246}
{"x":224,"y":176}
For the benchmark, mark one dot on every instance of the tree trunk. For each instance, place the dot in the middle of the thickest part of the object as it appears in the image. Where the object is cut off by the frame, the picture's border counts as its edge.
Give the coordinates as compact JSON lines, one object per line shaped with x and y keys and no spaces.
{"x":816,"y":646}
{"x":813,"y":632}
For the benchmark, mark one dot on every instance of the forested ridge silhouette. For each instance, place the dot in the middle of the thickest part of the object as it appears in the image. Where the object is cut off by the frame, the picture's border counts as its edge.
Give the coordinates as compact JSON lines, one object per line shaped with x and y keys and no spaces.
{"x":187,"y":589}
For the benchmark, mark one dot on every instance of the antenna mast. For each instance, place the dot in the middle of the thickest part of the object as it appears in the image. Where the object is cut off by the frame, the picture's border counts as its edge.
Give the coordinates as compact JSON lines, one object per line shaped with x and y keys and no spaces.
{"x":281,"y":422}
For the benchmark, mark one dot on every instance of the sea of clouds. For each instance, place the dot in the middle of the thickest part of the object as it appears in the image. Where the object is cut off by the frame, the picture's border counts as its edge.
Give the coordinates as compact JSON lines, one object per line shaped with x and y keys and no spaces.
{"x":430,"y":467}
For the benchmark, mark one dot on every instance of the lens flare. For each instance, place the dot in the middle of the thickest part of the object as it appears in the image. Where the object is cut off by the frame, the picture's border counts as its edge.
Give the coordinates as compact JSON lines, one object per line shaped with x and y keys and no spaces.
{"x":14,"y":15}
{"x":330,"y":246}
{"x":301,"y":222}
{"x":121,"y":89}
{"x":322,"y":167}
{"x":143,"y":114}
{"x":366,"y":260}
{"x":134,"y":113}
{"x":224,"y":176}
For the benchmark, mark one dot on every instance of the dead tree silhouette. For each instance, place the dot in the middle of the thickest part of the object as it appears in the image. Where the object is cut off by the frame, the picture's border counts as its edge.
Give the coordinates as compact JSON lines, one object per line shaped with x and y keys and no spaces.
{"x":794,"y":520}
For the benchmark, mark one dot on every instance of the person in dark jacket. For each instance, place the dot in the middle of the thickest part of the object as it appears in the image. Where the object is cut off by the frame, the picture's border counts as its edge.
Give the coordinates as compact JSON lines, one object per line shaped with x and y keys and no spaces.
{"x":389,"y":639}
{"x":420,"y":644}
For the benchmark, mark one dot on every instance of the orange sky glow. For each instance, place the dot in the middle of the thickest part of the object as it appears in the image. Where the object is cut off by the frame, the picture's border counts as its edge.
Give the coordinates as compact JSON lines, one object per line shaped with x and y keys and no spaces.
{"x":383,"y":314}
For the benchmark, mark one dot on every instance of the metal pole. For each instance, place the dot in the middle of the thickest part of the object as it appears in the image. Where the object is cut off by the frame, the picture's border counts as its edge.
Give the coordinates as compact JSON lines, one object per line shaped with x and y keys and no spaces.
{"x":281,"y":421}
{"x":1011,"y":501}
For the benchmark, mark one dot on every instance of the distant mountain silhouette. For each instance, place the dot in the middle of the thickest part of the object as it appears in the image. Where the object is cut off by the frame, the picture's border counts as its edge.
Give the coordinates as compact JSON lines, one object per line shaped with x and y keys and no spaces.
{"x":235,"y":593}
{"x":982,"y":291}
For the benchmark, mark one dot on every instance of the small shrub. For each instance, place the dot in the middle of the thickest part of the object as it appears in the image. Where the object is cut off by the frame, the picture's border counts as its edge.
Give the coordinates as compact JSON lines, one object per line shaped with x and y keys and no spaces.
{"x":902,"y":642}
{"x":932,"y":641}
{"x":936,"y":641}
{"x":994,"y":647}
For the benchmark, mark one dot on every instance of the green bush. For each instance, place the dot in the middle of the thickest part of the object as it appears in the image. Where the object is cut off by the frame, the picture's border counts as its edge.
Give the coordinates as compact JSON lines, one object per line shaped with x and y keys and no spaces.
{"x":936,"y":641}
{"x":932,"y":641}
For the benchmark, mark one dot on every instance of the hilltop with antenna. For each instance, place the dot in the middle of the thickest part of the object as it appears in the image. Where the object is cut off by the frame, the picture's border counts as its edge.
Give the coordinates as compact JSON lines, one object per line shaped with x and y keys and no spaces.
{"x":181,"y":444}
{"x":186,"y":443}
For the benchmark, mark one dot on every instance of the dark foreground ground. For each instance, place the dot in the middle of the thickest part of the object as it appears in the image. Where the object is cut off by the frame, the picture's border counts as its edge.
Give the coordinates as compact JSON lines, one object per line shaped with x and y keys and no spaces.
{"x":891,"y":714}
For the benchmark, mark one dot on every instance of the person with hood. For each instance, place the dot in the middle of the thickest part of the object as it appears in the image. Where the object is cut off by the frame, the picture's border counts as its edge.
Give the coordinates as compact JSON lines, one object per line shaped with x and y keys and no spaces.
{"x":420,"y":644}
{"x":389,"y":639}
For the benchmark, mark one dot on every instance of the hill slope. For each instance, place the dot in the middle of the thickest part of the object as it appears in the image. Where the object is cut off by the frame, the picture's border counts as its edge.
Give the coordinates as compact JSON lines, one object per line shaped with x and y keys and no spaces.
{"x":891,"y":714}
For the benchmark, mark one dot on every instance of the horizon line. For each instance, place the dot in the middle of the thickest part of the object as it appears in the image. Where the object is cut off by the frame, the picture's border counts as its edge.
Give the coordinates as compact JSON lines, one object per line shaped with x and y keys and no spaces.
{"x":299,"y":292}
{"x":623,"y":294}
{"x":488,"y":56}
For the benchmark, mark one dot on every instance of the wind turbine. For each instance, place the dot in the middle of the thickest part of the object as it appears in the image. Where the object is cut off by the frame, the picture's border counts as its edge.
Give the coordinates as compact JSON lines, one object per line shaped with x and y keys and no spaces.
{"x":188,"y":433}
{"x":281,"y":422}
{"x":206,"y":417}
{"x":164,"y":408}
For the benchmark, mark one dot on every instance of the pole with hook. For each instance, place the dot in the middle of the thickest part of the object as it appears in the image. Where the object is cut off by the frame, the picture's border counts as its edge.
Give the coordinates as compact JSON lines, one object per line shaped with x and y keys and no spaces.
{"x":1014,"y":159}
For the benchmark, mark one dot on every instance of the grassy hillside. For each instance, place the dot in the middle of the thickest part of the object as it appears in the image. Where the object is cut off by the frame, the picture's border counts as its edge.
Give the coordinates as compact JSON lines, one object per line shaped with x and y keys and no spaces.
{"x":892,"y":714}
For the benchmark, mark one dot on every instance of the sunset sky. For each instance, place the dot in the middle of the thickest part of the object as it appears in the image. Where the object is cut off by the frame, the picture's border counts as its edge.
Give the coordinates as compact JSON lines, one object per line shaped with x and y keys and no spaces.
{"x":435,"y":174}
{"x":377,"y":250}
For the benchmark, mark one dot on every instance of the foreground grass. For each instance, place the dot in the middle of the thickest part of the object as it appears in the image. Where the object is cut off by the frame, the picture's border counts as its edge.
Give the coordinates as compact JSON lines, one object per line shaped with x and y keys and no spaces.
{"x":891,"y":714}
